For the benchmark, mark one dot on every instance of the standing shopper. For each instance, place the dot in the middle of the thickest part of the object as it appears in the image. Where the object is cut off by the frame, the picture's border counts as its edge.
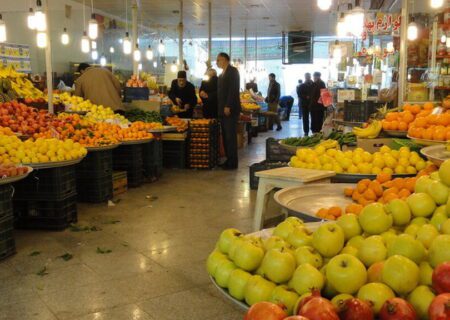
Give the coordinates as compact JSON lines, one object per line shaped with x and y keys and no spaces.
{"x":182,"y":94}
{"x":229,"y":108}
{"x":252,"y":85}
{"x":273,"y":98}
{"x":208,"y":94}
{"x":99,"y":86}
{"x":304,"y":92}
{"x":317,"y":108}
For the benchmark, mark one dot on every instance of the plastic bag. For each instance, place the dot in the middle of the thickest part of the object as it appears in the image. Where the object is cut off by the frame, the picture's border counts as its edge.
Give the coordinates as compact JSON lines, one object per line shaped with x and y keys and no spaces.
{"x":326,"y":98}
{"x":62,"y":86}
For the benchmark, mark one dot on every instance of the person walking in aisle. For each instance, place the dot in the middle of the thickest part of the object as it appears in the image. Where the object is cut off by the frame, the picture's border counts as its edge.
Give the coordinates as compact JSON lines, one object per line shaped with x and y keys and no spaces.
{"x":304,"y":98}
{"x":273,"y":98}
{"x":229,"y":108}
{"x":208,"y":94}
{"x":317,"y":108}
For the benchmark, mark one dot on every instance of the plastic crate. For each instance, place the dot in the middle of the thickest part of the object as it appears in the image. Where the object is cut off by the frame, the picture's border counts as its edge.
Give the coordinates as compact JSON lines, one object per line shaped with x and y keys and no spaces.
{"x":275,"y":152}
{"x":153,"y":160}
{"x":130,"y":159}
{"x":96,"y":163}
{"x":6,"y":193}
{"x":6,"y":228}
{"x":131,"y":94}
{"x":7,"y":248}
{"x":360,"y":111}
{"x":48,"y":215}
{"x":47,"y":184}
{"x":120,"y":182}
{"x":95,"y":190}
{"x":261,"y":166}
{"x":174,"y":154}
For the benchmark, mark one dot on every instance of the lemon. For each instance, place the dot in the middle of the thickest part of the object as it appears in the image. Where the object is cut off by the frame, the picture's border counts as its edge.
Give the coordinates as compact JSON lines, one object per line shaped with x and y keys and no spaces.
{"x":337,"y":168}
{"x":420,"y":165}
{"x":353,"y":169}
{"x":395,"y":154}
{"x":348,"y":154}
{"x":405,"y":154}
{"x":414,"y":159}
{"x":359,"y":150}
{"x":411,"y":170}
{"x":400,"y":169}
{"x":378,"y":163}
{"x":403,"y":162}
{"x":332,"y":152}
{"x":385,"y":149}
{"x":320,"y":150}
{"x":357,"y":160}
{"x":388,"y":170}
{"x":376,"y":170}
{"x":390,"y":162}
{"x":327,"y":166}
{"x":345,"y":163}
{"x":367,"y":157}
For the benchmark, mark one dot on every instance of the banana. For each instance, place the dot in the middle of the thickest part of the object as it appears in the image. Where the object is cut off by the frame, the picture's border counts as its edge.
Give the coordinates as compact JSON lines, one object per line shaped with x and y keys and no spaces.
{"x":370,"y":132}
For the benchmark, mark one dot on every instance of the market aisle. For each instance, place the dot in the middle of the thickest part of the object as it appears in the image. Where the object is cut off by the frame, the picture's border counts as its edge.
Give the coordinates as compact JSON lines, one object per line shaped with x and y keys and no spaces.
{"x":141,"y":259}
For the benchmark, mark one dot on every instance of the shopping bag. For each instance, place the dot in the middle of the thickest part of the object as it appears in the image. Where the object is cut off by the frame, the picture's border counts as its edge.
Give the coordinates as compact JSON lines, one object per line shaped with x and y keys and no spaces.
{"x":326,"y":98}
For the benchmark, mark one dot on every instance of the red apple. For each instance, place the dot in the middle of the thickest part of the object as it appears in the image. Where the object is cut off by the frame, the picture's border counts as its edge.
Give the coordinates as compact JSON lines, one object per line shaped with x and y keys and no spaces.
{"x":375,"y":271}
{"x":441,"y":278}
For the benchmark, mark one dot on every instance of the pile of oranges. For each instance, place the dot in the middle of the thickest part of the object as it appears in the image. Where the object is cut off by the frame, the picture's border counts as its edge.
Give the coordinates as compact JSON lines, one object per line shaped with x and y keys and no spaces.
{"x":6,"y":131}
{"x":431,"y":127}
{"x":134,"y":133}
{"x":146,"y":126}
{"x":335,"y":212}
{"x":177,"y":122}
{"x":402,"y":121}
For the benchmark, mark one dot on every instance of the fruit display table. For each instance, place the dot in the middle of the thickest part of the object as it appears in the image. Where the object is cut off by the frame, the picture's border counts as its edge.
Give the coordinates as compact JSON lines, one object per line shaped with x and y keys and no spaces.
{"x":282,"y":178}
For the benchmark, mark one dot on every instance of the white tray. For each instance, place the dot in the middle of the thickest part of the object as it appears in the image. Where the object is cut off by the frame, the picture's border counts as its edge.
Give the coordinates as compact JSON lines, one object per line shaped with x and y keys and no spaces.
{"x":436,"y":154}
{"x":132,"y":142}
{"x":102,"y":148}
{"x":4,"y":181}
{"x":49,"y":165}
{"x":164,"y":129}
{"x":425,"y":142}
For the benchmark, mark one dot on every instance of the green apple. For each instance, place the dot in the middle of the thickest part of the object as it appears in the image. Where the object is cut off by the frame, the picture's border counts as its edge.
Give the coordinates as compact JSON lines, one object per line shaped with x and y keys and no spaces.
{"x":237,"y":282}
{"x":328,"y":239}
{"x":405,"y":245}
{"x":306,"y":278}
{"x":422,"y":184}
{"x":438,"y":191}
{"x":375,"y":272}
{"x":214,"y":259}
{"x":339,"y":300}
{"x":372,"y":250}
{"x":350,"y":225}
{"x":350,"y":250}
{"x":299,"y":237}
{"x":249,"y":255}
{"x":421,"y":298}
{"x":400,"y":212}
{"x":258,"y":289}
{"x":295,"y":221}
{"x":274,"y":242}
{"x":226,"y":238}
{"x":412,"y":230}
{"x":328,"y":290}
{"x":286,"y":297}
{"x":389,"y":236}
{"x":439,"y":217}
{"x":401,"y":274}
{"x":448,"y":207}
{"x":374,"y":219}
{"x":356,"y":242}
{"x":426,"y":234}
{"x":299,"y":300}
{"x":425,"y":274}
{"x":420,"y":221}
{"x":286,"y":227}
{"x":435,"y":176}
{"x":223,"y":272}
{"x":444,"y":173}
{"x":236,"y":243}
{"x":445,"y":228}
{"x":346,"y":273}
{"x":376,"y":294}
{"x":278,"y":265}
{"x":439,"y":250}
{"x":421,"y":204}
{"x":307,"y":254}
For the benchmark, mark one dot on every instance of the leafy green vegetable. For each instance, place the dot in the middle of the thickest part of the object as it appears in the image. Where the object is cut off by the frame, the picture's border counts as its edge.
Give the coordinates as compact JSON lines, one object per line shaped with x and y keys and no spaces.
{"x":34,"y":253}
{"x":141,"y":115}
{"x":103,"y":251}
{"x":66,"y":256}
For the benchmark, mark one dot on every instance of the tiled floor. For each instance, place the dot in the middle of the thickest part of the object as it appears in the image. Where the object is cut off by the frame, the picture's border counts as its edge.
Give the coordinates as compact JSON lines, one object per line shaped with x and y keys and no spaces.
{"x":155,"y":270}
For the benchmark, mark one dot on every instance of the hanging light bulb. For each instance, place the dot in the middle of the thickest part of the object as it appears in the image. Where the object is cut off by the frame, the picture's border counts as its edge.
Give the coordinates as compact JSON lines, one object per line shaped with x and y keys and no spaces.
{"x":2,"y":30}
{"x":94,"y":45}
{"x":447,"y":43}
{"x":174,"y":67}
{"x":443,"y":38}
{"x":413,"y":30}
{"x":103,"y":60}
{"x":65,"y":37}
{"x":31,"y":21}
{"x":137,"y":54}
{"x":341,"y":28}
{"x":155,"y":64}
{"x":85,"y":44}
{"x":324,"y":4}
{"x":93,"y":28}
{"x":149,"y":53}
{"x":161,"y":47}
{"x":127,"y":44}
{"x":356,"y":26}
{"x":111,"y":50}
{"x":41,"y":39}
{"x":140,"y":66}
{"x":39,"y":18}
{"x":436,"y":4}
{"x":390,"y":47}
{"x":94,"y":55}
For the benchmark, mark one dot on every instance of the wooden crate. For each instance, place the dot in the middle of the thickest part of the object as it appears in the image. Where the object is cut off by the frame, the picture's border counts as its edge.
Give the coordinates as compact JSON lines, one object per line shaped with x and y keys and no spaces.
{"x":120,"y":183}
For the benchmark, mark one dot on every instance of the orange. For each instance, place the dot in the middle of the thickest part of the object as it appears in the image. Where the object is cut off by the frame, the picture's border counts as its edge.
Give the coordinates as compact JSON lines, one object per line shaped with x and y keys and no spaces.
{"x":402,"y":126}
{"x":415,"y":109}
{"x":384,"y":177}
{"x":404,"y":193}
{"x":386,"y":125}
{"x":394,"y":125}
{"x":375,"y":186}
{"x":348,"y":192}
{"x":370,"y":194}
{"x":322,"y":213}
{"x":391,"y":116}
{"x":388,"y":184}
{"x":356,"y":195}
{"x":330,"y":217}
{"x":428,"y":106}
{"x":408,"y":117}
{"x":399,"y":183}
{"x":420,"y":122}
{"x":335,"y":211}
{"x":361,"y":187}
{"x":392,"y":190}
{"x":358,"y":208}
{"x":389,"y":197}
{"x":410,"y":184}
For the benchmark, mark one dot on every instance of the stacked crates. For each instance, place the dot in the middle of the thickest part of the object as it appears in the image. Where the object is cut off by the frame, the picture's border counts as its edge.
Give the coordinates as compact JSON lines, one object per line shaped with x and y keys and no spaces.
{"x":129,"y":158}
{"x":152,"y":154}
{"x":7,"y":243}
{"x":203,"y":144}
{"x":46,"y":199}
{"x":94,"y":177}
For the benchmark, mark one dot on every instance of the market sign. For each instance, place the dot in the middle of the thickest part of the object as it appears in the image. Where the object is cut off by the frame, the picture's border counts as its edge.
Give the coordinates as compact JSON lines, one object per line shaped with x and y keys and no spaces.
{"x":16,"y":56}
{"x":381,"y":24}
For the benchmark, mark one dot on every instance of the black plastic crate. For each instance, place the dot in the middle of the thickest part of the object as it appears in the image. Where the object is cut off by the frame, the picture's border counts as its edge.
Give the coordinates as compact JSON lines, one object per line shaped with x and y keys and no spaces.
{"x":6,"y":193}
{"x":96,"y":163}
{"x":47,"y":184}
{"x":95,"y":190}
{"x":48,"y":215}
{"x":7,"y":228}
{"x":7,"y":248}
{"x":152,"y":155}
{"x":130,"y":159}
{"x":360,"y":111}
{"x":261,"y":166}
{"x":174,"y":154}
{"x":275,"y":152}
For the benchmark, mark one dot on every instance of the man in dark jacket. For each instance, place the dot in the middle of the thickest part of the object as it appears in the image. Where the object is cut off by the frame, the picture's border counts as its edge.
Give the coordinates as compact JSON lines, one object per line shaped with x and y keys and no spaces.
{"x":182,"y":94}
{"x":252,"y":85}
{"x":229,"y":108}
{"x":304,"y":97}
{"x":273,"y":98}
{"x":208,"y":94}
{"x":317,"y":108}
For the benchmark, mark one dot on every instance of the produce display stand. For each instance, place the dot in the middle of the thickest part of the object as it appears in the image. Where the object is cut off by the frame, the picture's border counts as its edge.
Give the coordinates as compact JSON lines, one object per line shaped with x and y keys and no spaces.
{"x":128,"y":157}
{"x":355,"y":177}
{"x":425,"y":142}
{"x":282,"y":178}
{"x":436,"y":154}
{"x":134,"y":142}
{"x":203,"y":146}
{"x":164,"y":129}
{"x":396,"y":134}
{"x":175,"y":150}
{"x":152,"y":156}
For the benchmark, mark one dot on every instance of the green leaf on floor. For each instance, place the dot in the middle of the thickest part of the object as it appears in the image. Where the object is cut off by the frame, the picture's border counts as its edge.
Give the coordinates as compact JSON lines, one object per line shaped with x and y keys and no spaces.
{"x":42,"y":272}
{"x":111,"y":222}
{"x":66,"y":257}
{"x":34,"y":253}
{"x":103,"y":251}
{"x":76,"y":228}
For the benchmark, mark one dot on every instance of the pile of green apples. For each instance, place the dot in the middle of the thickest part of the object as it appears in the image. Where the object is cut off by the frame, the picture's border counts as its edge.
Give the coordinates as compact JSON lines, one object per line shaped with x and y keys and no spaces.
{"x":387,"y":251}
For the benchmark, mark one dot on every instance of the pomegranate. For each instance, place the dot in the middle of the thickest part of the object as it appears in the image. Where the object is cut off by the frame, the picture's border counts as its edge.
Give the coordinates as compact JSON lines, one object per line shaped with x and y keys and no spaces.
{"x":397,"y":309}
{"x":441,"y":278}
{"x":295,"y":318}
{"x":356,"y":309}
{"x":440,"y":307}
{"x":317,"y":308}
{"x":265,"y":311}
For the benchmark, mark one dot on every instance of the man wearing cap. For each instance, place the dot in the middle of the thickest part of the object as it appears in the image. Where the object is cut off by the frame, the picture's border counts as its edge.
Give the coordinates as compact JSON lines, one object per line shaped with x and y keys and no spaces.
{"x":182,"y":94}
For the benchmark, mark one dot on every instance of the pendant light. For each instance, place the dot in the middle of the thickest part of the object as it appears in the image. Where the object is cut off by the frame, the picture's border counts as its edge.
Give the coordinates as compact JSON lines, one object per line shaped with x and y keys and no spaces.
{"x":341,"y":28}
{"x":149,"y":53}
{"x":93,"y":24}
{"x":174,"y":67}
{"x":85,"y":43}
{"x":2,"y":29}
{"x":137,"y":54}
{"x":65,"y":37}
{"x":41,"y":39}
{"x":40,"y":19}
{"x":356,"y":26}
{"x":127,"y":44}
{"x":94,"y":55}
{"x":94,"y":45}
{"x":103,"y":60}
{"x":31,"y":21}
{"x":324,"y":5}
{"x":436,"y":4}
{"x":161,"y":47}
{"x":111,"y":50}
{"x":413,"y":30}
{"x":140,"y":66}
{"x":155,"y":64}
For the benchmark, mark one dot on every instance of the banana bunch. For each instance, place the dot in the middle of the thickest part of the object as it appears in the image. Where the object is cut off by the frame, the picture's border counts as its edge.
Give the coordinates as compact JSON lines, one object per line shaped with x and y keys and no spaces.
{"x":370,"y":132}
{"x":15,"y":85}
{"x":329,"y":144}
